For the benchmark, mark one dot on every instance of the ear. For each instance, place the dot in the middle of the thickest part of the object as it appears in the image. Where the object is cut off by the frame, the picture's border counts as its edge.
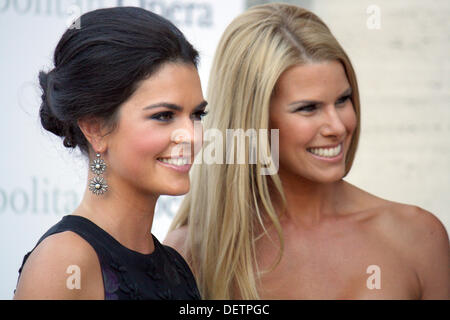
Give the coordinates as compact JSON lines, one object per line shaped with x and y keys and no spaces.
{"x":92,"y":129}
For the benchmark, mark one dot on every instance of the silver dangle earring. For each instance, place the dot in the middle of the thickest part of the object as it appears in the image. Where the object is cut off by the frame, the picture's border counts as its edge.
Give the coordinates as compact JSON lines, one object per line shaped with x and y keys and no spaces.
{"x":98,"y":184}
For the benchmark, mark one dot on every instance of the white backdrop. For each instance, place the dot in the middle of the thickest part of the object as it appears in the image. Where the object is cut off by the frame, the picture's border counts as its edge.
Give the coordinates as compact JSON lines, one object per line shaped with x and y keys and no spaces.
{"x":40,"y":180}
{"x":400,"y":50}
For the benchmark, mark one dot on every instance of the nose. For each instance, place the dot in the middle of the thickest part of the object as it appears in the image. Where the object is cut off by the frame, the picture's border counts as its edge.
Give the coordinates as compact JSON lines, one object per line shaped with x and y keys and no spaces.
{"x":188,"y":136}
{"x":184,"y":133}
{"x":333,"y":124}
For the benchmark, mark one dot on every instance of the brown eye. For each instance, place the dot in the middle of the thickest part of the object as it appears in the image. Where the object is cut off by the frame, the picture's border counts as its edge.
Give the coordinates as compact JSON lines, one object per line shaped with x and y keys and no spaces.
{"x":163,"y":116}
{"x":199,"y":115}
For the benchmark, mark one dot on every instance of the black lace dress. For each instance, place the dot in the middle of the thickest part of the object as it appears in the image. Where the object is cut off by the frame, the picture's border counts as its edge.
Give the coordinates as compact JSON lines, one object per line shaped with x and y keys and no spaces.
{"x":127,"y":274}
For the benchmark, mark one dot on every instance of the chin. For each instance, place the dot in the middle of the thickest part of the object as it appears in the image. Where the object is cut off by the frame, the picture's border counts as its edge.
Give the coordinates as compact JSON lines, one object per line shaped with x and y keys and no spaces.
{"x":176,"y":190}
{"x":329,"y":178}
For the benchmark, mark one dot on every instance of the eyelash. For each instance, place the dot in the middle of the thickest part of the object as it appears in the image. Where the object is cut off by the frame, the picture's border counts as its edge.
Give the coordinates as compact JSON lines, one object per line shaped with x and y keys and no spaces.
{"x":308,"y":108}
{"x":313,"y":107}
{"x":200,"y":114}
{"x":344,"y":99}
{"x":162,"y":116}
{"x":167,"y":116}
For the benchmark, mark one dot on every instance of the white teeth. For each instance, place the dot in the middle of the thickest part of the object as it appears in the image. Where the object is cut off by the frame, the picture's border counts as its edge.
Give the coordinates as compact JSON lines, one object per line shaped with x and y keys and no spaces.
{"x":326,"y":152}
{"x":175,"y":162}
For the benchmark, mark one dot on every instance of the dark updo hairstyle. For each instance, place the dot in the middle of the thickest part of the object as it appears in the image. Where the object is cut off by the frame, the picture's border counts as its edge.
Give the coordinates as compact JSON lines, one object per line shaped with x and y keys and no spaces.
{"x":99,"y":66}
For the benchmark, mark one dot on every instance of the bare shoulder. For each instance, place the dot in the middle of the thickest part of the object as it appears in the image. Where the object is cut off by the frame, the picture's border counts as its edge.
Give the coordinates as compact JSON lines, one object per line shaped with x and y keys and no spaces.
{"x":422,"y":238}
{"x":177,"y":239}
{"x":418,"y":237}
{"x":62,"y":266}
{"x":406,"y":223}
{"x":411,"y":225}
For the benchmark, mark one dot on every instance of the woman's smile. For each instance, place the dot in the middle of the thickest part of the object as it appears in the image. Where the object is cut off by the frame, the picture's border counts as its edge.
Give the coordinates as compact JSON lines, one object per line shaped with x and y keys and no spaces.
{"x":328,"y":153}
{"x":182,"y":164}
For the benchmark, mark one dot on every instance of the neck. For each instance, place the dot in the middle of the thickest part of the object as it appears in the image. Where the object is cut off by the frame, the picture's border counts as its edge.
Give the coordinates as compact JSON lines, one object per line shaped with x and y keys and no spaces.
{"x":124,"y":212}
{"x":309,"y":203}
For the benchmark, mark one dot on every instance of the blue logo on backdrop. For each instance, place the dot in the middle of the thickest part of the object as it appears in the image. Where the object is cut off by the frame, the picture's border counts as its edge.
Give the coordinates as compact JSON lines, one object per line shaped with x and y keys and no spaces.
{"x":182,"y":13}
{"x":40,"y":196}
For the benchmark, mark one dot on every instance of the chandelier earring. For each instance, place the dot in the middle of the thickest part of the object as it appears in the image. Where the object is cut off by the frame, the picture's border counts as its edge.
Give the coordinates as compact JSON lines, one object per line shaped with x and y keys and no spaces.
{"x":98,"y":184}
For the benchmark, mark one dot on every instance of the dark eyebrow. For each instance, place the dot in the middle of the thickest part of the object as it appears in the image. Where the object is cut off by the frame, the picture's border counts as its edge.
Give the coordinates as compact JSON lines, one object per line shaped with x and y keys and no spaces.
{"x":347,"y":92}
{"x":173,"y":106}
{"x":165,"y":105}
{"x":201,"y":106}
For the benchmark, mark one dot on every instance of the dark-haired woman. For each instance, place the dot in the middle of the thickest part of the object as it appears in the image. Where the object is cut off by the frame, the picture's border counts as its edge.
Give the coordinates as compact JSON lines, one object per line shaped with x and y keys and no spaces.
{"x":126,"y":91}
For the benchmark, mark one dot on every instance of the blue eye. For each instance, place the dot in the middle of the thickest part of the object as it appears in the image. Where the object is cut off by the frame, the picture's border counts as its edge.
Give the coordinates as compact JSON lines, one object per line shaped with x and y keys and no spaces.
{"x":163,"y":116}
{"x":343,"y":99}
{"x":308,"y":108}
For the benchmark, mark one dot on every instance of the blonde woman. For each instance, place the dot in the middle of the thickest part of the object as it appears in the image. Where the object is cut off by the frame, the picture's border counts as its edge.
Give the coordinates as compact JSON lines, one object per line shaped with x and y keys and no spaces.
{"x":303,"y":233}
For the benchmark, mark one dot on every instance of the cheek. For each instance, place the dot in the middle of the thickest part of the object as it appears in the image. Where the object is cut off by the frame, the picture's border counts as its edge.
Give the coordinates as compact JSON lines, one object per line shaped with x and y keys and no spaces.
{"x":149,"y":144}
{"x":295,"y":136}
{"x":349,"y":119}
{"x":135,"y":150}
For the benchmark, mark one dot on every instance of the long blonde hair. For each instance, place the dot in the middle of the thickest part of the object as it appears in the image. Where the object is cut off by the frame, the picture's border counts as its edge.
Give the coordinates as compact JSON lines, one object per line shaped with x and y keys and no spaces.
{"x":229,"y":203}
